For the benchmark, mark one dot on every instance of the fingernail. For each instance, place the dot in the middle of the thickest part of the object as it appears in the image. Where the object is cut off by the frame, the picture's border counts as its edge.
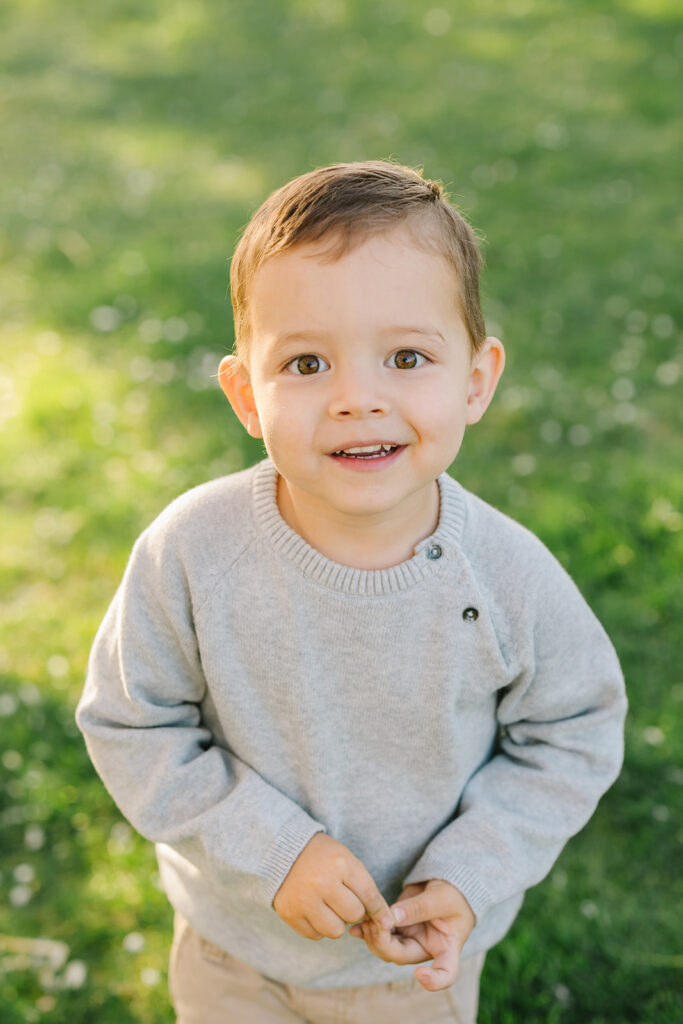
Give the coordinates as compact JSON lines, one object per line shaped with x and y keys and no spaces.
{"x":386,"y":921}
{"x":399,"y":915}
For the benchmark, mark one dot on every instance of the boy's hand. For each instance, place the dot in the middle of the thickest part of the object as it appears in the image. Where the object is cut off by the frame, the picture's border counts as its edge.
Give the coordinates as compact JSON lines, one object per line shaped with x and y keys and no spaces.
{"x":327,"y":888}
{"x":437,"y":920}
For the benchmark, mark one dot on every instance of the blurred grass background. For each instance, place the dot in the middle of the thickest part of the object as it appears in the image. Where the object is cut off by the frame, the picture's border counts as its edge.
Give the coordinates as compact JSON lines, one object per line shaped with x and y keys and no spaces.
{"x":138,"y":138}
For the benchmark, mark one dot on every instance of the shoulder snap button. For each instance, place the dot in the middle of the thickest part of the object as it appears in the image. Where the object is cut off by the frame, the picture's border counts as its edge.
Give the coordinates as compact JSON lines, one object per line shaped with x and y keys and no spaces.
{"x":434,"y":551}
{"x":470,"y":615}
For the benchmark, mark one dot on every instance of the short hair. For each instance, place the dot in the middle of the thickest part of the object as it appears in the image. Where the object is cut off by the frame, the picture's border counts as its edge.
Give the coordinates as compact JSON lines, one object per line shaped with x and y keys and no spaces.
{"x":350,"y":202}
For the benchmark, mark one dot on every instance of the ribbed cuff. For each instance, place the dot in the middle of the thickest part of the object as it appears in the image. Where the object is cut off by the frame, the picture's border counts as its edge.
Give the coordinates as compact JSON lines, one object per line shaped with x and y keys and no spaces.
{"x":288,"y":844}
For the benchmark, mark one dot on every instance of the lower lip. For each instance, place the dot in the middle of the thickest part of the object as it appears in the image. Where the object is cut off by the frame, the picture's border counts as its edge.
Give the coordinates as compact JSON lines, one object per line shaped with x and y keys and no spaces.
{"x":360,"y":465}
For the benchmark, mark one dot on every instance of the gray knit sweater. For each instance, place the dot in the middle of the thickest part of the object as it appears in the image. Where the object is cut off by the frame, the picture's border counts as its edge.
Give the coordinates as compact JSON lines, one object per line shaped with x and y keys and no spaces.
{"x":457,"y":716}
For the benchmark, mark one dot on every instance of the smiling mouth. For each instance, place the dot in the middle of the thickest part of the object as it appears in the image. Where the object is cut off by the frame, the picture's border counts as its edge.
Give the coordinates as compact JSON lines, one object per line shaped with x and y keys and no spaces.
{"x":368,"y":451}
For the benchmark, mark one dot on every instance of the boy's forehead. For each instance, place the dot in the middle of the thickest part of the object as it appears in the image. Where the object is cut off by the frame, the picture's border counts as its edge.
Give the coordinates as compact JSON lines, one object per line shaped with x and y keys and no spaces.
{"x":385,"y":268}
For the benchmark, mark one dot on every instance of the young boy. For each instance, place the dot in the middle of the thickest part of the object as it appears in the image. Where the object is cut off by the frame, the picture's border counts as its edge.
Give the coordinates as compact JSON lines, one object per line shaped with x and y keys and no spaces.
{"x":337,"y":680}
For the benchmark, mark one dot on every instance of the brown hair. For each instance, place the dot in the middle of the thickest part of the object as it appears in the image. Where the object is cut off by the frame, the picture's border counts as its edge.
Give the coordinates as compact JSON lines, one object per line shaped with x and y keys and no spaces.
{"x":350,"y":202}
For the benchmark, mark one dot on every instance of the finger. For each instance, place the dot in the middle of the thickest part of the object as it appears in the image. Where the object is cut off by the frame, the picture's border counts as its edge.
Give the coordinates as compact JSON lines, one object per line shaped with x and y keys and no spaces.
{"x":373,"y":934}
{"x":327,"y":922}
{"x":361,"y":883}
{"x":416,"y":909}
{"x":442,"y":971}
{"x":393,"y":947}
{"x":346,"y":904}
{"x":306,"y":929}
{"x":437,"y":900}
{"x":356,"y":929}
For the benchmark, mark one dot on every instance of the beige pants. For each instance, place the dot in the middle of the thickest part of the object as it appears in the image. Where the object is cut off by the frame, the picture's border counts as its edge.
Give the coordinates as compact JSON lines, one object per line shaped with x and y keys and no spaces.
{"x":208,"y":986}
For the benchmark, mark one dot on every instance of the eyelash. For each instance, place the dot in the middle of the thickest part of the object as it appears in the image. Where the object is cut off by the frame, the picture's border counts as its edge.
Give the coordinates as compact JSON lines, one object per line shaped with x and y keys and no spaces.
{"x":297,"y":359}
{"x":421,"y":360}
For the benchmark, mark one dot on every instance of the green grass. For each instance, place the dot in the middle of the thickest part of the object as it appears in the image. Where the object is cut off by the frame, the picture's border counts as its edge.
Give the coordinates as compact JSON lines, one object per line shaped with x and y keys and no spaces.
{"x":138,"y":138}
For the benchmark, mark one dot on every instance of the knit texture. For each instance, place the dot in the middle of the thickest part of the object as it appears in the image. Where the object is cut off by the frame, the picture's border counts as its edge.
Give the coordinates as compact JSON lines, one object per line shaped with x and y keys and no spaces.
{"x":244,"y":692}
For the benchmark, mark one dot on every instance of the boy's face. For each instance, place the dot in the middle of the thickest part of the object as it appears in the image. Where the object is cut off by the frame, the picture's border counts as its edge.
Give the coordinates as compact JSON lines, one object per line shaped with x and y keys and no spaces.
{"x":351,"y":355}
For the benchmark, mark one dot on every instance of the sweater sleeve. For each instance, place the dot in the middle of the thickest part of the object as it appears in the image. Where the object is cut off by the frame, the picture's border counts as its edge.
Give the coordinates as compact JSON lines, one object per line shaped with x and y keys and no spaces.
{"x":560,"y":748}
{"x":141,"y":717}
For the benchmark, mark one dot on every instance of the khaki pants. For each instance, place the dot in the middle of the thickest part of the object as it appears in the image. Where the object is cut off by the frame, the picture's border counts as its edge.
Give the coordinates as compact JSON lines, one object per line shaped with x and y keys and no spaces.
{"x":208,"y":986}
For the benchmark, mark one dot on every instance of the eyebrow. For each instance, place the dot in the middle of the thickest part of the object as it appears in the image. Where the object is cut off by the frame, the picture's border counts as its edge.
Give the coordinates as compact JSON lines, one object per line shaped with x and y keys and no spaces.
{"x":426,"y":331}
{"x":282,"y":339}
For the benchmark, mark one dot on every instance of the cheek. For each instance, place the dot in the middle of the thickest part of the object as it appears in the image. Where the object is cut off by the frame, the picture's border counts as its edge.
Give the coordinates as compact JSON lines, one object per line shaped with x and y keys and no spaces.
{"x":284,"y":422}
{"x":440,"y":409}
{"x":272,"y":409}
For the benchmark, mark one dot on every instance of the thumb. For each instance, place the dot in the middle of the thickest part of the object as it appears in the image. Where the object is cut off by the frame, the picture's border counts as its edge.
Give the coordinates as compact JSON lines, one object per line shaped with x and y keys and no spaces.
{"x":417,"y":909}
{"x":439,"y":899}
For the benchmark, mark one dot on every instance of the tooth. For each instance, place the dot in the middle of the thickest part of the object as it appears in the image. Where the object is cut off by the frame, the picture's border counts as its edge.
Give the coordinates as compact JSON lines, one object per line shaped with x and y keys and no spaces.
{"x":366,"y":448}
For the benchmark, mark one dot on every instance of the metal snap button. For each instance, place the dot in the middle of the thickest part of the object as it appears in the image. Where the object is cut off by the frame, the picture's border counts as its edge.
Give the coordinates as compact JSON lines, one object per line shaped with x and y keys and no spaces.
{"x":434,"y":551}
{"x":470,"y":615}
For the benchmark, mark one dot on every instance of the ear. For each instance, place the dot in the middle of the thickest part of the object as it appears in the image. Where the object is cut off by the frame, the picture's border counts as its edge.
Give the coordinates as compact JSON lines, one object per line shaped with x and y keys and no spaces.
{"x":487,"y":366}
{"x":237,"y":389}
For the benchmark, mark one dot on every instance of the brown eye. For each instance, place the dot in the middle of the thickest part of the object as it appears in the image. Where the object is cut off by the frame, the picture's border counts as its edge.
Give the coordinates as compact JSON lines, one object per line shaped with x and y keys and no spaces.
{"x":307,"y":365}
{"x":407,"y":359}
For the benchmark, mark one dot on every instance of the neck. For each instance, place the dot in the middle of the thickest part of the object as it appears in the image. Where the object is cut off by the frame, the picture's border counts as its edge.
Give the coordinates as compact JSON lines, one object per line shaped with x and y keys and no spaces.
{"x":377,"y":541}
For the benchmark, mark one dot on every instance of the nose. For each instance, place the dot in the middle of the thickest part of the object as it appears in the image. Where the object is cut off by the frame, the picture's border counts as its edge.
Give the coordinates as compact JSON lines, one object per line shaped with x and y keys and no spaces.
{"x":358,"y":394}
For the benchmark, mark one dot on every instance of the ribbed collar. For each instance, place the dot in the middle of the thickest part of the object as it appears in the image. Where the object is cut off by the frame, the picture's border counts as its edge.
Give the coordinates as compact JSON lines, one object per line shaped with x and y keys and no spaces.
{"x":342,"y":578}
